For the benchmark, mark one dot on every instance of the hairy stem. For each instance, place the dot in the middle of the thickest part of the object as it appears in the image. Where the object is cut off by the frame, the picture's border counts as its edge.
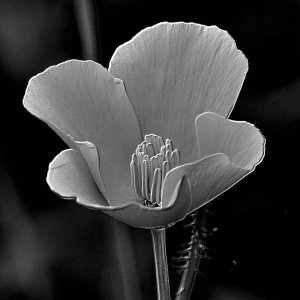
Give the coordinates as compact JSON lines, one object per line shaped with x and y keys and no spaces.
{"x":195,"y":254}
{"x":161,"y":264}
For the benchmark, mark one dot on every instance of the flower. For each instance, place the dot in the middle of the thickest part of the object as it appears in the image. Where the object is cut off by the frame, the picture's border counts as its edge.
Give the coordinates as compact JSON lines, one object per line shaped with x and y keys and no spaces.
{"x":178,"y":81}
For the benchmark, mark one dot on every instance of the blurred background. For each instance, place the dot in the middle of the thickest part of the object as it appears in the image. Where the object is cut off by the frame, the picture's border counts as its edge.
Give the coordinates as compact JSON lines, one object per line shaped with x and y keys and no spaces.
{"x":55,"y":249}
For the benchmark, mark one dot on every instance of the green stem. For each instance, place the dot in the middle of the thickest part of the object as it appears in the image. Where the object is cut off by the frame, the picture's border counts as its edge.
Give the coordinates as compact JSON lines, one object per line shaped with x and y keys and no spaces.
{"x":161,"y":264}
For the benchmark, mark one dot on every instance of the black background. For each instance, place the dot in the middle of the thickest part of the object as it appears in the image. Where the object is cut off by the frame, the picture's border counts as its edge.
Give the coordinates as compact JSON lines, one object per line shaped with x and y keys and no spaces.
{"x":55,"y":249}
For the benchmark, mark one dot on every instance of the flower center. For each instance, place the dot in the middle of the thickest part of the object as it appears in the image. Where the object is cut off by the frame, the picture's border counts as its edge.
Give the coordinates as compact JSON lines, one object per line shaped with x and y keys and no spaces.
{"x":150,"y":163}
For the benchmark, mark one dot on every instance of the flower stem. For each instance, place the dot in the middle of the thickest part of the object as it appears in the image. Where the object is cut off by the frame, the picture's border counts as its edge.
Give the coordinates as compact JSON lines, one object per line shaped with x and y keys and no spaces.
{"x":161,"y":264}
{"x":188,"y":278}
{"x":122,"y":252}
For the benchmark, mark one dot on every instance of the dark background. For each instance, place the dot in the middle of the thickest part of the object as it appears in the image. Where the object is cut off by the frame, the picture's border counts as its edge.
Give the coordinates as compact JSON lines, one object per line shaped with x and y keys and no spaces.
{"x":54,"y":249}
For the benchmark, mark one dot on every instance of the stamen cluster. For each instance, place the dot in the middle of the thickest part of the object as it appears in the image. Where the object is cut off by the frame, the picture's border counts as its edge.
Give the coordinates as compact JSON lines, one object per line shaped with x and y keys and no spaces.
{"x":150,"y":163}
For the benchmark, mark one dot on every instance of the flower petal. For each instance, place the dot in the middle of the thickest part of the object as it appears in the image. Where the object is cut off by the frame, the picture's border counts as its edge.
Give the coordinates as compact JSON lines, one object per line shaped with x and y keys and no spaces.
{"x":136,"y":215}
{"x":70,"y":177}
{"x":241,"y":141}
{"x":84,"y":101}
{"x":209,"y":177}
{"x":175,"y":71}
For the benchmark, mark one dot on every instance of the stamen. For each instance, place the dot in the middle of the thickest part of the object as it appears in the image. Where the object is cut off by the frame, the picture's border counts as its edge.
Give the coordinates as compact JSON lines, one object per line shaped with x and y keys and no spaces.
{"x":147,"y":138}
{"x":142,"y":180}
{"x":135,"y":182}
{"x":138,"y":149}
{"x":169,"y":145}
{"x":144,"y":149}
{"x":156,"y":187}
{"x":155,"y":144}
{"x":160,"y":141}
{"x":159,"y":159}
{"x":145,"y":180}
{"x":139,"y":168}
{"x":163,"y":151}
{"x":176,"y":157}
{"x":150,"y":163}
{"x":146,"y":157}
{"x":151,"y":170}
{"x":168,"y":157}
{"x":166,"y":169}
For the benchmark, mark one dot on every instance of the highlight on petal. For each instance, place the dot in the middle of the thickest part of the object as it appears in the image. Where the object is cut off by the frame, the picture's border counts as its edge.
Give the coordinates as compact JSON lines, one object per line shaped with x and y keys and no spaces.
{"x":209,"y":177}
{"x":241,"y":141}
{"x":176,"y":71}
{"x":84,"y":101}
{"x":70,"y":177}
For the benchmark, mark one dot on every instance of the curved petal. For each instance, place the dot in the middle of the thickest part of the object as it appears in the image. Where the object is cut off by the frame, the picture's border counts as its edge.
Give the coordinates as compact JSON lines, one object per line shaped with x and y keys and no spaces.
{"x":83,"y":100}
{"x":175,"y":71}
{"x":241,"y":141}
{"x":209,"y":177}
{"x":90,"y":154}
{"x":70,"y":177}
